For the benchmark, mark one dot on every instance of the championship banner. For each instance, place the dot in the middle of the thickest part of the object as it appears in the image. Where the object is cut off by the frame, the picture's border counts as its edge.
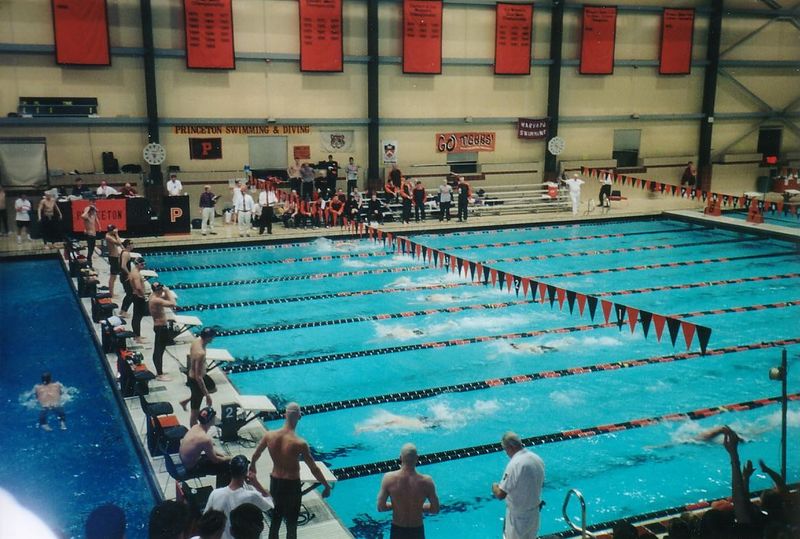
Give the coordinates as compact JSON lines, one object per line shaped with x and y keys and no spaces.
{"x":512,"y":41}
{"x":80,"y":31}
{"x":677,"y":31}
{"x":465,"y":142}
{"x":208,"y":25}
{"x":321,"y":47}
{"x":337,"y":141}
{"x":205,"y":148}
{"x":532,"y":129}
{"x":597,"y":40}
{"x":110,"y":211}
{"x":422,"y":36}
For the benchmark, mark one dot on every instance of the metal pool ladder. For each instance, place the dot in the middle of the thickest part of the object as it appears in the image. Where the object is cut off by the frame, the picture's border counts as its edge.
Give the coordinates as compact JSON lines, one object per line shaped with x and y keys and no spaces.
{"x":582,"y":529}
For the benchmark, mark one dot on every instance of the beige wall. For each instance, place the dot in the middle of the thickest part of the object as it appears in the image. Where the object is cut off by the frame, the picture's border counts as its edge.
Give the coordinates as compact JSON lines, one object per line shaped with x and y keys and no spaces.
{"x":258,"y":89}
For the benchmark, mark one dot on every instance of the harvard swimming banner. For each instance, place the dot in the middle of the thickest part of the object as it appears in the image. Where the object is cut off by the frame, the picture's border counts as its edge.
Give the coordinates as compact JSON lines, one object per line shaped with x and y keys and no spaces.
{"x":80,"y":28}
{"x":512,"y":41}
{"x":209,"y":34}
{"x":597,"y":40}
{"x":422,"y":36}
{"x":677,"y":30}
{"x":321,"y":35}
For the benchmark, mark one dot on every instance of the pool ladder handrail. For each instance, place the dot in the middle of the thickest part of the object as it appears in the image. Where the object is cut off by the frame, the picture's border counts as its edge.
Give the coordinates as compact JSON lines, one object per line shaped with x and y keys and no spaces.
{"x":582,"y":529}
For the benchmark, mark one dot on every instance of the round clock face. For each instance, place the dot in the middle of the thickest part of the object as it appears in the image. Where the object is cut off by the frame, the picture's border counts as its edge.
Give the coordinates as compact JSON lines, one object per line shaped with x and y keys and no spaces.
{"x":556,"y":145}
{"x":154,"y":153}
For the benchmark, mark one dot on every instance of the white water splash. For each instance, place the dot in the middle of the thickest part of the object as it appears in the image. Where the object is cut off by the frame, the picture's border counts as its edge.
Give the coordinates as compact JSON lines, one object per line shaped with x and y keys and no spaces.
{"x":371,"y":263}
{"x":28,"y":398}
{"x":567,"y":397}
{"x":440,"y":415}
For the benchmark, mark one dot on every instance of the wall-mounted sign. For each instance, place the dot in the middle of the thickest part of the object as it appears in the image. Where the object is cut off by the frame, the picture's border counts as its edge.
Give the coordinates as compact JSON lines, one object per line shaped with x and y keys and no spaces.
{"x":80,"y":28}
{"x":389,"y":152}
{"x":530,"y":128}
{"x":205,"y":148}
{"x":482,"y":141}
{"x":209,"y":34}
{"x":422,"y":36}
{"x":241,"y":129}
{"x":301,"y":152}
{"x":512,"y":40}
{"x":321,"y":46}
{"x":597,"y":40}
{"x":677,"y":31}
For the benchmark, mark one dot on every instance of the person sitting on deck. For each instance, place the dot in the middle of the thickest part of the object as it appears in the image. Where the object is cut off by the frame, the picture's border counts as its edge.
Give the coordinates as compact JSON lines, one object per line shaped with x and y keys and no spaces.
{"x":197,"y":451}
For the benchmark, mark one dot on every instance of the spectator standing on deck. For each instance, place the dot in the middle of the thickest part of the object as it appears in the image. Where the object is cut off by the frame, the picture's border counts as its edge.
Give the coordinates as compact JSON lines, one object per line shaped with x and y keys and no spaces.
{"x":445,"y":200}
{"x":91,"y":224}
{"x":114,"y":248}
{"x":49,"y":219}
{"x":605,"y":190}
{"x":174,"y":186}
{"x":331,"y":174}
{"x":574,"y":185}
{"x":22,"y":206}
{"x":352,"y":176}
{"x":464,"y":192}
{"x":293,"y":173}
{"x":244,"y":211}
{"x":307,"y":181}
{"x":267,"y":200}
{"x":521,"y":488}
{"x":420,"y":197}
{"x":207,"y":202}
{"x":406,"y":196}
{"x":412,"y":494}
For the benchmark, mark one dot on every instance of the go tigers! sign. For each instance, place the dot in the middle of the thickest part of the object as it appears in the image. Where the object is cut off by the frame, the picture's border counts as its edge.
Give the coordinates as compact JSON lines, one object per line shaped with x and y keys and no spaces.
{"x":483,"y":141}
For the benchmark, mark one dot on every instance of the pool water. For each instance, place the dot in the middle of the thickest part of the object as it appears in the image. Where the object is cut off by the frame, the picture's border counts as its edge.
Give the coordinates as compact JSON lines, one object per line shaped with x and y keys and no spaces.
{"x":382,"y":349}
{"x":61,"y":475}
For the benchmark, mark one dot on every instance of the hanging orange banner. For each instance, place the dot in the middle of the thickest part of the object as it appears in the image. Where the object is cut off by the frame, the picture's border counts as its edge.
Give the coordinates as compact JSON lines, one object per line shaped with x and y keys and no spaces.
{"x":483,"y":141}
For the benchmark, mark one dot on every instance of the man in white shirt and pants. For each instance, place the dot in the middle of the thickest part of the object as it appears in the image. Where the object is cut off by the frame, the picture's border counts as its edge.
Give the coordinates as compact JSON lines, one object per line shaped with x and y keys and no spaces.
{"x":244,"y":212}
{"x":521,"y":488}
{"x":574,"y":185}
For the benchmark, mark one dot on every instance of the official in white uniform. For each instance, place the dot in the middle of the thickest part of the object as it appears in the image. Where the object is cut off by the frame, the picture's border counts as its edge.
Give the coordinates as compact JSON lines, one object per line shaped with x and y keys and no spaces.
{"x":521,"y":488}
{"x":244,"y":212}
{"x":574,"y":185}
{"x":174,"y":187}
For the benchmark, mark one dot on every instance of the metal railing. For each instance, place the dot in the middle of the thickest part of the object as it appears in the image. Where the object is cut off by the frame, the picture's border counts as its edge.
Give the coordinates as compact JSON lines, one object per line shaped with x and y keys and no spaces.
{"x":582,"y":529}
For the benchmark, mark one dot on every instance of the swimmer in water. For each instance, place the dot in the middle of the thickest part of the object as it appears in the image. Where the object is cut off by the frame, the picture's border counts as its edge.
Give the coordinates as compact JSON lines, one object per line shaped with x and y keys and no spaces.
{"x":709,"y":436}
{"x":397,"y":422}
{"x":49,"y":393}
{"x":532,"y":348}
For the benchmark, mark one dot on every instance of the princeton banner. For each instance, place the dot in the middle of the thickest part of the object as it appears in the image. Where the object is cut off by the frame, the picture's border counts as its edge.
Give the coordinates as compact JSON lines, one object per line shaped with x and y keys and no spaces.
{"x":597,"y":40}
{"x":205,"y":148}
{"x":337,"y":141}
{"x":422,"y":36}
{"x":321,"y":47}
{"x":465,"y":142}
{"x":512,"y":45}
{"x":209,"y":34}
{"x":80,"y":29}
{"x":677,"y":31}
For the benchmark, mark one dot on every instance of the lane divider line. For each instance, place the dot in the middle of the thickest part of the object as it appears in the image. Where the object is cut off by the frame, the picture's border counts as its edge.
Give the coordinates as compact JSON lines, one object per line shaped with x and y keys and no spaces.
{"x":251,"y":263}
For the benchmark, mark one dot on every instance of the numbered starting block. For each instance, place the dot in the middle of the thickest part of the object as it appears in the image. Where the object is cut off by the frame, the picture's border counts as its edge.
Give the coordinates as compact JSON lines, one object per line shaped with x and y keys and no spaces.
{"x":236,"y":415}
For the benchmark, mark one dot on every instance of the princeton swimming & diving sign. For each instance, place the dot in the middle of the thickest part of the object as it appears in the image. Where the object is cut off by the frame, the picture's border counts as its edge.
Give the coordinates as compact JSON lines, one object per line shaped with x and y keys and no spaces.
{"x":241,"y":129}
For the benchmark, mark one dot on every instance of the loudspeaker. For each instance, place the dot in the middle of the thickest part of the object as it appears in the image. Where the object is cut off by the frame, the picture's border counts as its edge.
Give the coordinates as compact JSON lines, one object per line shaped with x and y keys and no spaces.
{"x":110,"y":164}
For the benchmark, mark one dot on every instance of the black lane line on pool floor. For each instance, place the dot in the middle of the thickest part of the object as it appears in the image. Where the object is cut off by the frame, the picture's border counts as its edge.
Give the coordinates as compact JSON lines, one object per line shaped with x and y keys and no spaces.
{"x":329,"y":295}
{"x":464,"y":387}
{"x":380,"y":467}
{"x":354,"y":256}
{"x":345,"y":294}
{"x":400,"y":269}
{"x":552,"y":240}
{"x":251,"y":263}
{"x":257,"y":366}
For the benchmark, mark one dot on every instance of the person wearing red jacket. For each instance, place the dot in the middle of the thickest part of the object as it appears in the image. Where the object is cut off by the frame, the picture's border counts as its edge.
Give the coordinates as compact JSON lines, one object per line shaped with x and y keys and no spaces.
{"x":406,"y":196}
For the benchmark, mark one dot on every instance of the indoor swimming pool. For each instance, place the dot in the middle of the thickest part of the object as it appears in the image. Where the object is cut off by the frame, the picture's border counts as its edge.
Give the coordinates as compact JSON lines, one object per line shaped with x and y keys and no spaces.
{"x":381,"y":348}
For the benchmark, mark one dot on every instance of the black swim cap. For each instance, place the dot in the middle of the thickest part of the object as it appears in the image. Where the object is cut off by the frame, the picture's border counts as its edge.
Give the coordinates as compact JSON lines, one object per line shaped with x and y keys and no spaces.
{"x":208,"y":333}
{"x":239,"y":465}
{"x":206,"y":415}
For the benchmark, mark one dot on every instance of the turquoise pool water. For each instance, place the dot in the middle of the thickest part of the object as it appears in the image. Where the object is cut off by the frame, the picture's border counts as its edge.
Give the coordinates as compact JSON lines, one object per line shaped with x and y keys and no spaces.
{"x":62,"y":475}
{"x":382,"y":350}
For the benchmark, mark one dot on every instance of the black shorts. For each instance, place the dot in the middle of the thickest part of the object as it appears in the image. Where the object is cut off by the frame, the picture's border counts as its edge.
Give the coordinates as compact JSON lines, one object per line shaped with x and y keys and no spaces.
{"x":113,"y":265}
{"x":197,"y":394}
{"x":20,"y":224}
{"x":287,"y":496}
{"x":404,"y":532}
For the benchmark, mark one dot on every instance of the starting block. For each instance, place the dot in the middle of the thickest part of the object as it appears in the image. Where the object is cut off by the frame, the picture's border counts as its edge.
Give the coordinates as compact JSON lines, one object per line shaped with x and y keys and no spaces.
{"x":215,"y":356}
{"x":252,"y":407}
{"x":147,"y":274}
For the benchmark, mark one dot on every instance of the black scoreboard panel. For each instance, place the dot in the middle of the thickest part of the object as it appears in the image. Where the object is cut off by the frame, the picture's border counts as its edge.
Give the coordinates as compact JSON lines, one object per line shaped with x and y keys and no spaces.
{"x":57,"y":106}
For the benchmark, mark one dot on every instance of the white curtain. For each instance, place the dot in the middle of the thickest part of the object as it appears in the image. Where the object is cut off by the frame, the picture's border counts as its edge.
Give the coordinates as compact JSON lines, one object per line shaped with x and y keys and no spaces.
{"x":23,"y":162}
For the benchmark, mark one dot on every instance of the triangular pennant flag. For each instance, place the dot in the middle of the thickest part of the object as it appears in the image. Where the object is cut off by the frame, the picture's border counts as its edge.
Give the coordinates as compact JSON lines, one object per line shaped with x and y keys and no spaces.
{"x":493,"y":275}
{"x":542,"y":292}
{"x":658,"y":323}
{"x":419,"y":251}
{"x":688,"y":333}
{"x":453,"y":263}
{"x":779,"y":206}
{"x":662,"y":187}
{"x":571,"y":300}
{"x":501,"y":277}
{"x":581,"y":302}
{"x":606,"y":306}
{"x":673,"y":325}
{"x":472,"y":270}
{"x":562,"y":295}
{"x":380,"y":235}
{"x":645,"y":317}
{"x":703,"y":334}
{"x":511,"y":280}
{"x":426,"y":255}
{"x":460,"y":264}
{"x":525,"y":284}
{"x":633,"y":316}
{"x":551,"y":294}
{"x":619,"y":310}
{"x":592,"y":306}
{"x":435,"y":257}
{"x":486,"y":274}
{"x":478,"y":272}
